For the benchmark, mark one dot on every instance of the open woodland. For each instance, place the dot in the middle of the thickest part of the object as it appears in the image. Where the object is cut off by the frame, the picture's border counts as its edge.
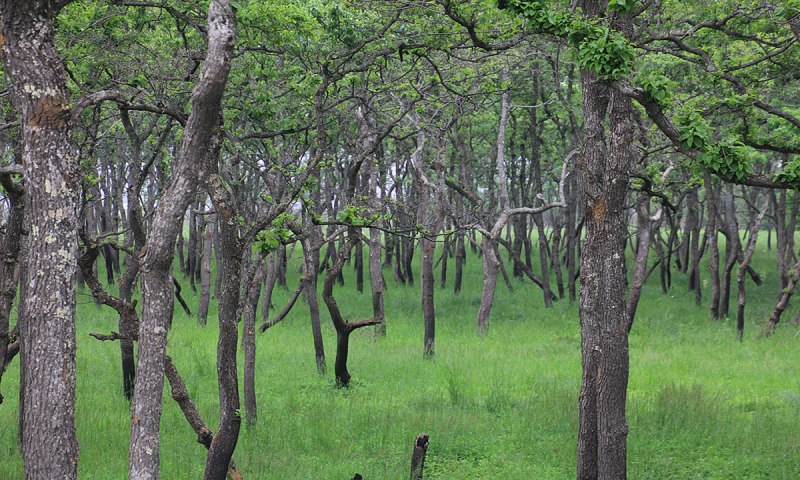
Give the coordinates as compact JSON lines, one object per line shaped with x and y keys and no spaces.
{"x":343,"y":239}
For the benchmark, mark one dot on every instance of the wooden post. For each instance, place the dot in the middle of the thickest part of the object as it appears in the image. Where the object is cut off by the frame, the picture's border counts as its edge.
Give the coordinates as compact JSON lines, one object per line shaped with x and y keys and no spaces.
{"x":418,"y":457}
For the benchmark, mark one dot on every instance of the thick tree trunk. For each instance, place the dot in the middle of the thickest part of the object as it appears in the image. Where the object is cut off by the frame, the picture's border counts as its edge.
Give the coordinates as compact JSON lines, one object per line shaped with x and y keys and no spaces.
{"x":602,"y":444}
{"x":52,"y":183}
{"x":157,"y":289}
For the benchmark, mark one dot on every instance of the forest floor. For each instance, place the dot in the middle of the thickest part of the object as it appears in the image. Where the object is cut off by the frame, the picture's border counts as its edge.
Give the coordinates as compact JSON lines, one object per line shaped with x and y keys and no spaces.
{"x":700,"y":403}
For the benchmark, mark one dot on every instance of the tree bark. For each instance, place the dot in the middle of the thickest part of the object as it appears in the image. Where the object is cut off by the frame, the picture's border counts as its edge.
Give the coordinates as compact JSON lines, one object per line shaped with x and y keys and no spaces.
{"x":740,"y":274}
{"x":9,"y":253}
{"x":602,"y":444}
{"x":196,"y":144}
{"x":52,"y":184}
{"x":205,"y":265}
{"x":253,"y":292}
{"x":713,"y":247}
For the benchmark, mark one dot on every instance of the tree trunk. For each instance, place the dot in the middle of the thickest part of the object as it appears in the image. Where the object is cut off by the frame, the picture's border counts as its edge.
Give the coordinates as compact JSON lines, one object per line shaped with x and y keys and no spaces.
{"x":269,"y":286}
{"x":740,"y":274}
{"x":461,"y":255}
{"x":52,"y":185}
{"x":713,"y":248}
{"x":249,"y":344}
{"x":427,"y":282}
{"x":205,"y":279}
{"x":602,"y":435}
{"x":9,"y":253}
{"x":491,"y":269}
{"x":693,"y":229}
{"x":157,"y":289}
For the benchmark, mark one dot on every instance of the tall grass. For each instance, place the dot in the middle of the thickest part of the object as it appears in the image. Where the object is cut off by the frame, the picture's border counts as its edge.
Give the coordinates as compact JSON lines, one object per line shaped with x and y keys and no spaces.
{"x":700,"y":403}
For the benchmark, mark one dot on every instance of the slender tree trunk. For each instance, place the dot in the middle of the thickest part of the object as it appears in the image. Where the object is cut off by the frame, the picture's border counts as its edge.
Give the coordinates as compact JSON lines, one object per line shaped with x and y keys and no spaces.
{"x":693,"y":229}
{"x":52,"y":184}
{"x":157,"y":289}
{"x":205,"y":279}
{"x":358,"y":266}
{"x":249,"y":345}
{"x":740,"y":274}
{"x":9,"y":253}
{"x":640,"y":267}
{"x":269,"y":286}
{"x":491,"y":269}
{"x":713,"y":248}
{"x":461,"y":255}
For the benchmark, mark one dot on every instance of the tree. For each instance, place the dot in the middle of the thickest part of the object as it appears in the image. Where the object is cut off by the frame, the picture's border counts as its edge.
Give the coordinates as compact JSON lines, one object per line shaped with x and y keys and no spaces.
{"x":52,"y":182}
{"x":156,"y":265}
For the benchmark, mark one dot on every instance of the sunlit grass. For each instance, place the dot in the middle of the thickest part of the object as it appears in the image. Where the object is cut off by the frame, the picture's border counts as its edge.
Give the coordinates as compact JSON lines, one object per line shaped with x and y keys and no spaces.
{"x":700,"y":403}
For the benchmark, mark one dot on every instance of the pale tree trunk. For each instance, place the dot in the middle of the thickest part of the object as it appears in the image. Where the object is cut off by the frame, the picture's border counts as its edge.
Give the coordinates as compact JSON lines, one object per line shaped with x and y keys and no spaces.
{"x":640,"y":267}
{"x":157,"y":289}
{"x":375,"y":273}
{"x":52,"y":185}
{"x":269,"y":286}
{"x":205,"y":277}
{"x":491,"y":269}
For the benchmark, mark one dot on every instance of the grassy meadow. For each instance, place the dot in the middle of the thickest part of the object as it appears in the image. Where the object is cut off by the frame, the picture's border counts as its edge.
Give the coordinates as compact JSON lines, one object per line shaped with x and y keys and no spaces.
{"x":700,"y":403}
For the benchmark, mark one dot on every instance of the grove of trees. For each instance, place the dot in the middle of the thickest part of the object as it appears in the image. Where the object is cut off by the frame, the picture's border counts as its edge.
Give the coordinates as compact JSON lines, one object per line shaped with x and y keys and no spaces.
{"x":550,"y":138}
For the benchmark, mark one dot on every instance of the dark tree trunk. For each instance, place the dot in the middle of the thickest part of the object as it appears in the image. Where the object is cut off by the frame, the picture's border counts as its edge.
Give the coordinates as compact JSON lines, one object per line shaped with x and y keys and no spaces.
{"x":358,"y":265}
{"x":461,"y":255}
{"x":343,"y":329}
{"x":713,"y":248}
{"x":9,"y":253}
{"x":740,"y":274}
{"x":602,"y":436}
{"x":52,"y":182}
{"x":693,"y":229}
{"x":157,"y":289}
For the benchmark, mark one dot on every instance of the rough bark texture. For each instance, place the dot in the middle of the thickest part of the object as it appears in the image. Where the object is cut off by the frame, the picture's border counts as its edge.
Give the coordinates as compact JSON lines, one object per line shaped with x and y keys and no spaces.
{"x":52,"y":182}
{"x":249,"y":345}
{"x":157,"y":262}
{"x":603,"y":178}
{"x":418,"y":456}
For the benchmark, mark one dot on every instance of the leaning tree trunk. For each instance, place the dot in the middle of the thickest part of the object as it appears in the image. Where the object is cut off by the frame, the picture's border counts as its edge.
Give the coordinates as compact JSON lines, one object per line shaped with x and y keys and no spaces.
{"x":52,"y":185}
{"x":491,"y":269}
{"x":157,"y":289}
{"x":9,"y":253}
{"x":740,"y":274}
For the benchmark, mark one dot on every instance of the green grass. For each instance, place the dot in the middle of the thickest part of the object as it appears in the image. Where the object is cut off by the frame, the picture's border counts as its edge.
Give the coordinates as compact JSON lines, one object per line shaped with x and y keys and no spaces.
{"x":700,"y":403}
